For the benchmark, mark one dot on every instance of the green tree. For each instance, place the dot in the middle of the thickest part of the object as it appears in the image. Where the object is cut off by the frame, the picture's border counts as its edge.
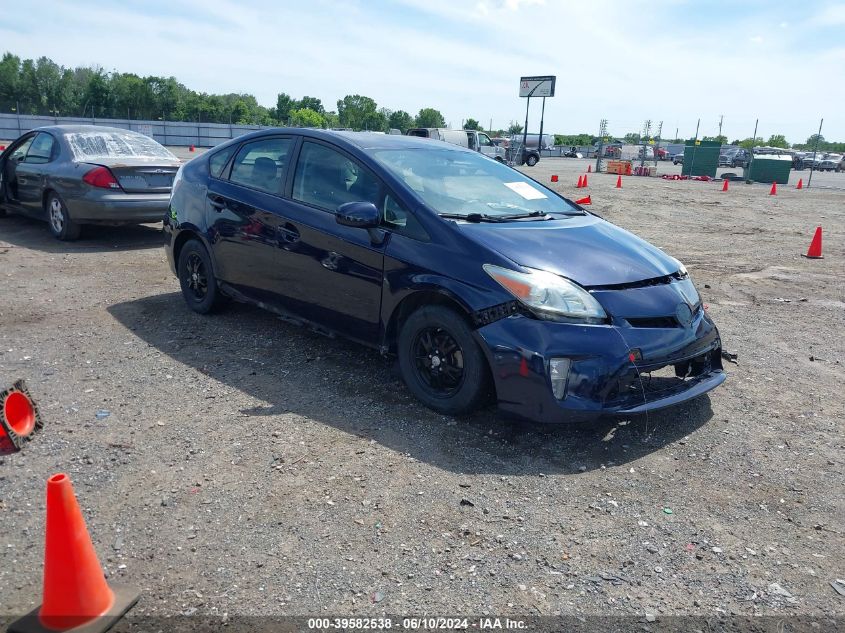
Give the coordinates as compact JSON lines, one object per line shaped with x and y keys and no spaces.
{"x":632,"y":138}
{"x":514,"y":128}
{"x":811,"y":141}
{"x":751,"y":143}
{"x":777,"y":140}
{"x":10,"y":68}
{"x":429,"y":117}
{"x":284,"y":104}
{"x":360,"y":113}
{"x":306,"y":117}
{"x":310,"y":103}
{"x":721,"y":138}
{"x":472,"y":124}
{"x":400,"y":120}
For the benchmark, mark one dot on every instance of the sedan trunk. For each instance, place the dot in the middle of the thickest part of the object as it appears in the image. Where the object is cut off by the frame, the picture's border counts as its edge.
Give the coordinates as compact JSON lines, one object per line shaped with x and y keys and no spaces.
{"x":139,"y":175}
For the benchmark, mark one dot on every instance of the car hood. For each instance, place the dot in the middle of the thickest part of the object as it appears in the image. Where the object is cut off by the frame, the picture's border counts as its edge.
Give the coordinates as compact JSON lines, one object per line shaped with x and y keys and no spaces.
{"x":585,"y":249}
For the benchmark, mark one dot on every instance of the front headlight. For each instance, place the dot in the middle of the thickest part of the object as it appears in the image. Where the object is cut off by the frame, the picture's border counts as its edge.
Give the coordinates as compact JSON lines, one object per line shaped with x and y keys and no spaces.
{"x":548,"y":295}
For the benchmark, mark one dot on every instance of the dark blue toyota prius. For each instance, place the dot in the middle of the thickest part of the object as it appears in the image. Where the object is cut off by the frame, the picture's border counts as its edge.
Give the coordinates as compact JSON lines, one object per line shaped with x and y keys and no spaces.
{"x":483,"y":283}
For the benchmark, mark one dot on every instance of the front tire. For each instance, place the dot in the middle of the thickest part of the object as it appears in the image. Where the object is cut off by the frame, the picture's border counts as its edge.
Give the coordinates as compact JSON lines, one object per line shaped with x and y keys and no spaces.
{"x":196,"y":277}
{"x":58,"y":219}
{"x":531,"y":160}
{"x":440,"y":361}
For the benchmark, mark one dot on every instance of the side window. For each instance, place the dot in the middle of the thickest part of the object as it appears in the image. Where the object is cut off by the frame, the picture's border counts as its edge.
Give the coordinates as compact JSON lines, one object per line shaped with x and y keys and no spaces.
{"x":219,"y":160}
{"x":21,"y":150}
{"x":262,"y":164}
{"x":471,"y":140}
{"x":484,"y":140}
{"x":41,"y":150}
{"x":327,"y":179}
{"x":397,"y":219}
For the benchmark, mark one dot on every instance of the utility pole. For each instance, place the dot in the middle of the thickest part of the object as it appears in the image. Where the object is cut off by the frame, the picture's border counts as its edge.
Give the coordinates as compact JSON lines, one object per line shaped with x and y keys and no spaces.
{"x":646,"y":132}
{"x":721,"y":118}
{"x":751,"y":153}
{"x":657,"y":146}
{"x":815,"y":149}
{"x":600,"y":149}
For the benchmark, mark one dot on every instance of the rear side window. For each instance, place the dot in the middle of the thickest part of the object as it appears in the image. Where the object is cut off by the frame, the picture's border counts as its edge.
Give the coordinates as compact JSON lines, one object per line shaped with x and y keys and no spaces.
{"x":219,"y":160}
{"x":327,"y":179}
{"x":262,"y":164}
{"x":41,"y":150}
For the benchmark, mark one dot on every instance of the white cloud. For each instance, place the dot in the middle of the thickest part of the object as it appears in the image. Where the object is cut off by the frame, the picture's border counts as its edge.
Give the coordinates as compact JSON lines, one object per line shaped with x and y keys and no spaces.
{"x":757,"y":39}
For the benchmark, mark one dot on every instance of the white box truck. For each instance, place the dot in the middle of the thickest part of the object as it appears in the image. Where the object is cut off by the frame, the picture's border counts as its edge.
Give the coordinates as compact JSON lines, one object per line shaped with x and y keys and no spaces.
{"x":473,"y":139}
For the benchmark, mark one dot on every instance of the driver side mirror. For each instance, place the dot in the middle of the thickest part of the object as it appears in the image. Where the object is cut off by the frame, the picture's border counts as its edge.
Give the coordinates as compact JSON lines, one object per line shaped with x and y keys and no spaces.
{"x":361,"y":215}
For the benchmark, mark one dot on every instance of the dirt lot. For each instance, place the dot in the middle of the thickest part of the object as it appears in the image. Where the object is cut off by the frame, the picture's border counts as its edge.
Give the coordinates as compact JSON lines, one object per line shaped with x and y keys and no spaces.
{"x":241,"y":465}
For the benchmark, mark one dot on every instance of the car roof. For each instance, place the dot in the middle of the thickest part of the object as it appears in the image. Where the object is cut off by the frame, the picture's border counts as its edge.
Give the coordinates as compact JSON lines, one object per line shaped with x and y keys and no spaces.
{"x":70,"y":129}
{"x":362,"y":140}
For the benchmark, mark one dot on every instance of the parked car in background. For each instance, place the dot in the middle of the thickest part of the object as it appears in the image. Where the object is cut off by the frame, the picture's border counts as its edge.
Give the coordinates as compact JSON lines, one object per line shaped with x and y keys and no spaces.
{"x":661,"y":153}
{"x":678,"y":159}
{"x":740,"y":158}
{"x":831,"y":162}
{"x":725,"y":160}
{"x":810,"y":161}
{"x":485,"y":284}
{"x":70,"y":175}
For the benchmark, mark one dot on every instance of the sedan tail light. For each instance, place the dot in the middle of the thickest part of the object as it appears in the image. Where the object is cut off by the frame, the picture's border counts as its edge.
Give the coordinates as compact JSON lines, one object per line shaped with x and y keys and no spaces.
{"x":101,"y":177}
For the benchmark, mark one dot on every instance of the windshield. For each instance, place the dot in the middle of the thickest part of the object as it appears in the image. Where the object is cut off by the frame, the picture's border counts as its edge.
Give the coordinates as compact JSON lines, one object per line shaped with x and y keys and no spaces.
{"x":463,"y":183}
{"x":101,"y":144}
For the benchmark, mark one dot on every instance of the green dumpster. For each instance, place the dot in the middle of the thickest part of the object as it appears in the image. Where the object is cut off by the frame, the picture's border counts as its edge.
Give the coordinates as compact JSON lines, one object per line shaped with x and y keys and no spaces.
{"x":701,"y":158}
{"x":769,"y":168}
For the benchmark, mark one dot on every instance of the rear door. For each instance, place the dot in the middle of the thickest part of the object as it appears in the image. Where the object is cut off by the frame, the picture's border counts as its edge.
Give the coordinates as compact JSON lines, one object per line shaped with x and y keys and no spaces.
{"x":243,"y":210}
{"x":333,"y":273}
{"x":31,"y":173}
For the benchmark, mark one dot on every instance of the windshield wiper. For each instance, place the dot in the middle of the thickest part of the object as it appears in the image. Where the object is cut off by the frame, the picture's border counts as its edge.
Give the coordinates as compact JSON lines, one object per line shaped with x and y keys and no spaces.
{"x":472,"y":217}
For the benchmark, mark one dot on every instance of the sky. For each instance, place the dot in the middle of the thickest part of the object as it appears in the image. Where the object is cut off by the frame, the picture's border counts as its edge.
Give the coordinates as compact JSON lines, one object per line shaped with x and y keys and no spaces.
{"x":675,"y":61}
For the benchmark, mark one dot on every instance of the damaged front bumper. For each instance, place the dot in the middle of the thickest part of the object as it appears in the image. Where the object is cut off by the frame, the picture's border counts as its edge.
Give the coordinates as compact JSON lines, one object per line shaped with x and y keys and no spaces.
{"x":611,"y":369}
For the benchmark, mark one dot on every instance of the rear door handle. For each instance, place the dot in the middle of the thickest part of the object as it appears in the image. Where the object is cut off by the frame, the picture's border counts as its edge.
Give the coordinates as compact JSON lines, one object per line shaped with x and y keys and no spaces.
{"x":288,"y":233}
{"x":217,"y":202}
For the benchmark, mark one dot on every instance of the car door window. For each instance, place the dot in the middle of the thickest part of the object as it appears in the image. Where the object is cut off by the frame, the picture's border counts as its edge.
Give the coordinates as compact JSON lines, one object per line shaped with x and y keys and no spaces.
{"x":41,"y":149}
{"x":398,"y":220}
{"x":262,"y":164}
{"x":327,"y":179}
{"x":22,"y":149}
{"x":219,"y":160}
{"x":484,"y":140}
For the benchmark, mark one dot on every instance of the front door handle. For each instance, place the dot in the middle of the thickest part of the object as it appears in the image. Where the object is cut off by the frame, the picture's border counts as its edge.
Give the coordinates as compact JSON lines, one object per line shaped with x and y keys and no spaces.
{"x":217,"y":202}
{"x":288,"y":233}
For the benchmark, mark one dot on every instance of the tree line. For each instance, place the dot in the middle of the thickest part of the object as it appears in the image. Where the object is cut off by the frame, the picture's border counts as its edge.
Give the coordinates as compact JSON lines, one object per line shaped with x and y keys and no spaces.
{"x":44,"y":87}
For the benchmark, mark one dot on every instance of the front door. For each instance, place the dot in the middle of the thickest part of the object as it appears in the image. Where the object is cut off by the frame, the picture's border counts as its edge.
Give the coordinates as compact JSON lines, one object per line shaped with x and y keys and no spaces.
{"x":10,"y":167}
{"x":243,"y":205}
{"x":32,"y":171}
{"x":334,"y":272}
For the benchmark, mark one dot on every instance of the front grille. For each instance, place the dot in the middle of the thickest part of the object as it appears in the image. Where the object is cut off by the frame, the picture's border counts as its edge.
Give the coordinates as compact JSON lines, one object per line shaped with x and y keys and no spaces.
{"x":653,"y":322}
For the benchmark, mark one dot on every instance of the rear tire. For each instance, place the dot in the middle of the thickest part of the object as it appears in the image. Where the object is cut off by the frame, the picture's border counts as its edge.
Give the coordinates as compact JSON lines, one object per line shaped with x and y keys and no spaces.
{"x":531,"y":160}
{"x":440,"y":361}
{"x":58,"y":219}
{"x":196,"y":277}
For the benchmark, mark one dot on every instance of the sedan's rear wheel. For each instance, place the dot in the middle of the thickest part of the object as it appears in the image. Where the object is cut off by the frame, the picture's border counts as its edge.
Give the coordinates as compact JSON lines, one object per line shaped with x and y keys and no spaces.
{"x":58,"y":219}
{"x":196,"y":277}
{"x":440,"y":361}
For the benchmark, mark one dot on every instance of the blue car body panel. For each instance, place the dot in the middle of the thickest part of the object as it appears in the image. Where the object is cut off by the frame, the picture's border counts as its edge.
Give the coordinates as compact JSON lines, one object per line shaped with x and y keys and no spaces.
{"x":283,"y":255}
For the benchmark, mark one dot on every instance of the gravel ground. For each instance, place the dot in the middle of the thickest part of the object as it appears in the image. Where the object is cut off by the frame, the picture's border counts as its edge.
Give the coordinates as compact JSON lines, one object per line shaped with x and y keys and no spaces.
{"x":242,"y":465}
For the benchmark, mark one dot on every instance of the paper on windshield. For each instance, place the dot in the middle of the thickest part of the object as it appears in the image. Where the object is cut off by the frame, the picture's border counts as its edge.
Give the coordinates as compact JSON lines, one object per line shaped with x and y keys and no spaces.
{"x":525,"y":190}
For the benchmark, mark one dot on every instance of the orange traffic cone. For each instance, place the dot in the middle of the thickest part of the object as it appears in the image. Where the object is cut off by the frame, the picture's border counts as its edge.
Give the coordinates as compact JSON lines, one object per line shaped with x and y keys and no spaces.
{"x":619,"y":182}
{"x":589,"y":169}
{"x":584,"y":201}
{"x":800,"y":184}
{"x":76,"y":594}
{"x":580,"y":182}
{"x":815,"y":250}
{"x":554,"y":177}
{"x":774,"y":189}
{"x":19,"y":417}
{"x":192,"y":149}
{"x":585,"y":180}
{"x":725,"y":185}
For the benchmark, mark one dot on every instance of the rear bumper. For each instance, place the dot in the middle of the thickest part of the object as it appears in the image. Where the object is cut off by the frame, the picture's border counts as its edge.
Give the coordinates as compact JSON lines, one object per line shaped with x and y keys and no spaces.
{"x":602,"y":379}
{"x":118,"y":208}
